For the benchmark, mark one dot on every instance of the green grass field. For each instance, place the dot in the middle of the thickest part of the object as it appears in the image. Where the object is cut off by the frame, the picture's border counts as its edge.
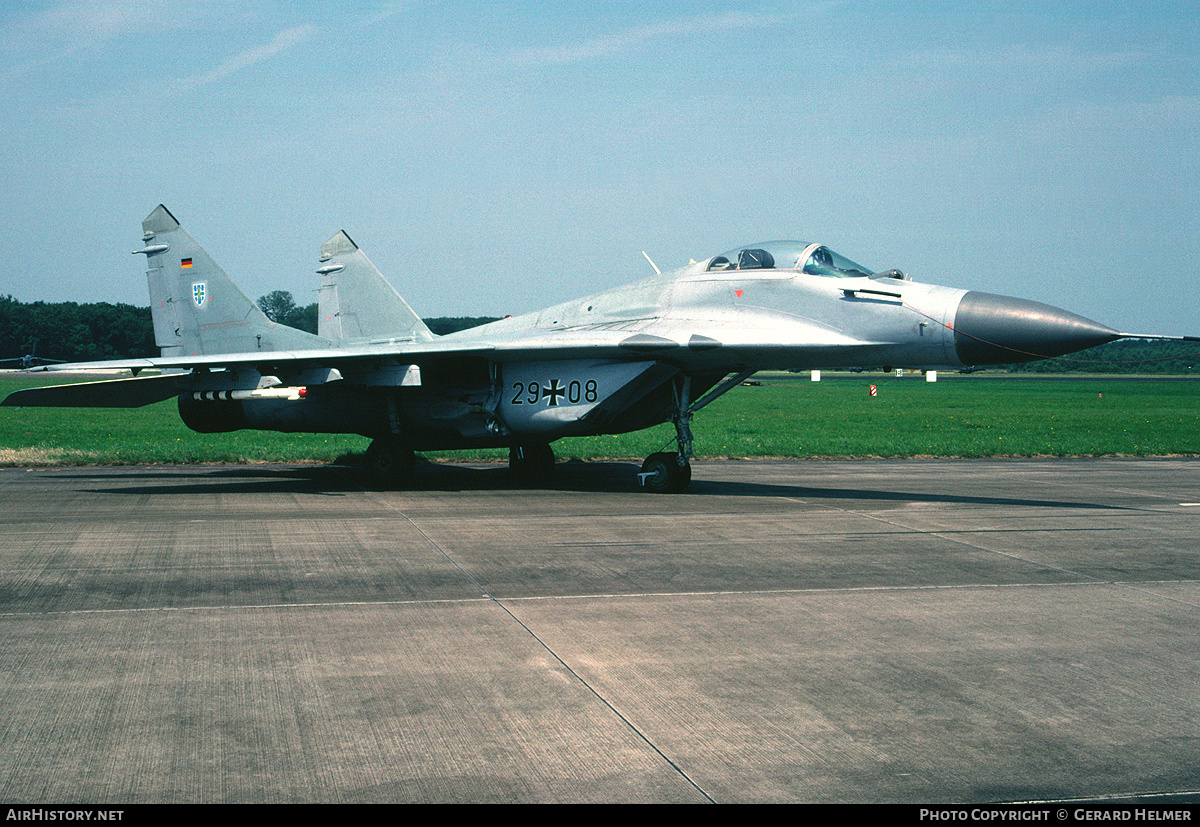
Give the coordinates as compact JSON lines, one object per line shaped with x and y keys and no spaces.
{"x":957,"y":416}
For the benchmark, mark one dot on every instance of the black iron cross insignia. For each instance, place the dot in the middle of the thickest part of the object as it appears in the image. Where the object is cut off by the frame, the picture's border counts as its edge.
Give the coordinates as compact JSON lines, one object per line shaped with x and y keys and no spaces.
{"x":552,"y":392}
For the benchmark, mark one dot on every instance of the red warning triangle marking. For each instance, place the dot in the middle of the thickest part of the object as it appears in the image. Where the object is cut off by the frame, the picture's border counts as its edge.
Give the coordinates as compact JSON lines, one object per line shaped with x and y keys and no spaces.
{"x":738,"y":293}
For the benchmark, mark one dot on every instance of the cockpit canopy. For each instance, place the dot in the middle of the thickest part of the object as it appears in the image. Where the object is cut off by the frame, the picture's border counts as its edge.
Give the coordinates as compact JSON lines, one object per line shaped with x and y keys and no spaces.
{"x":813,"y":259}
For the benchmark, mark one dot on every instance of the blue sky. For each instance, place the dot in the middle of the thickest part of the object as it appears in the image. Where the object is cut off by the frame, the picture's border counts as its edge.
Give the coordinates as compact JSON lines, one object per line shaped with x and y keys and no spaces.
{"x":494,"y":158}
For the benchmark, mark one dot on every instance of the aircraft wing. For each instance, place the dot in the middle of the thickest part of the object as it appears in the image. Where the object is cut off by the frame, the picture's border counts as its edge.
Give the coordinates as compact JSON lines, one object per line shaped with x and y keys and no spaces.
{"x":676,"y":341}
{"x":316,"y":356}
{"x":597,"y":341}
{"x":675,"y":344}
{"x":114,"y":393}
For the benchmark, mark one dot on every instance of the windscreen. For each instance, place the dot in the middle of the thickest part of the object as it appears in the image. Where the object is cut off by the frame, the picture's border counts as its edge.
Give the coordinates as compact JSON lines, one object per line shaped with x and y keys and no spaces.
{"x":813,"y":259}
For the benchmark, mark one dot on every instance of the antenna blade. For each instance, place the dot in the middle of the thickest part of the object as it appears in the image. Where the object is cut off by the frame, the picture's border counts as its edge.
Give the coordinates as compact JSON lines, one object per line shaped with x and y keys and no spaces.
{"x":652,"y":264}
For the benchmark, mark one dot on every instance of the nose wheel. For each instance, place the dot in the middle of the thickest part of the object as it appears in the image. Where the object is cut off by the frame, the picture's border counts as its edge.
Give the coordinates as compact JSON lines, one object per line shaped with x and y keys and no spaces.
{"x":670,"y":473}
{"x":665,"y":473}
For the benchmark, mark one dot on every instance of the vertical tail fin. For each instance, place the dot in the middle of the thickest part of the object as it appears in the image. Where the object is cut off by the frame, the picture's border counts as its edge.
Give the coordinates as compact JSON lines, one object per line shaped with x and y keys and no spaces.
{"x":196,"y":307}
{"x":357,"y":303}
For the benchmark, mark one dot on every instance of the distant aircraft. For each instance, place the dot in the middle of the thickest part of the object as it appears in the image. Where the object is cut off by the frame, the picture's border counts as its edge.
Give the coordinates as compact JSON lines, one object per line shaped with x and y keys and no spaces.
{"x":622,"y":360}
{"x":30,"y":359}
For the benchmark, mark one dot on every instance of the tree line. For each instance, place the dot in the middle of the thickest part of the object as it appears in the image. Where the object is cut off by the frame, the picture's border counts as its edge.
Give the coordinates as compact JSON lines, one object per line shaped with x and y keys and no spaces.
{"x":73,"y":332}
{"x":1147,"y":356}
{"x":279,"y":306}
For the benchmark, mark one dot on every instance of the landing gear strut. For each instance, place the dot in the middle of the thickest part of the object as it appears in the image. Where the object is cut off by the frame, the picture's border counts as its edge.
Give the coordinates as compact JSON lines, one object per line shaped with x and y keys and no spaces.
{"x":667,"y":473}
{"x":531,"y":463}
{"x":389,"y":463}
{"x":664,"y":472}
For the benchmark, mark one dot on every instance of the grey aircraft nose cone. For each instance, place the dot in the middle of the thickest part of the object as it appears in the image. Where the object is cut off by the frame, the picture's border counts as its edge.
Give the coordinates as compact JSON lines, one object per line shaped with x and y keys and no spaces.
{"x":996,"y":330}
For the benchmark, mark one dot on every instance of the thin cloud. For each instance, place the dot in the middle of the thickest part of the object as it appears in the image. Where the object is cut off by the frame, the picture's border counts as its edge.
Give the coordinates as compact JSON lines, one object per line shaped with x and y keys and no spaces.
{"x":1019,"y":59}
{"x":86,"y":21}
{"x":609,"y":45}
{"x":283,"y":41}
{"x":77,"y":27}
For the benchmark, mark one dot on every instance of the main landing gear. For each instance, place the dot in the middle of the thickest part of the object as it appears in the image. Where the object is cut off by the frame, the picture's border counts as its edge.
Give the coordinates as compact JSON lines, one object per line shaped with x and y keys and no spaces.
{"x":389,"y":463}
{"x":531,"y":463}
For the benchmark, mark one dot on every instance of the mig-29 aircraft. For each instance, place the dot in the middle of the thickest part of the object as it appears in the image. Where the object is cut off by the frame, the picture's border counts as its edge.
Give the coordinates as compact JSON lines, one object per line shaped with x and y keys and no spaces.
{"x":30,"y":359}
{"x":621,"y":360}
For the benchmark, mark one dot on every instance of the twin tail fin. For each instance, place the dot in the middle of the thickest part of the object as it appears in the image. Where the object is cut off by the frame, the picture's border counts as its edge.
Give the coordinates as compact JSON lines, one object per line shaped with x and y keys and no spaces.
{"x":196,"y":307}
{"x":357,"y":304}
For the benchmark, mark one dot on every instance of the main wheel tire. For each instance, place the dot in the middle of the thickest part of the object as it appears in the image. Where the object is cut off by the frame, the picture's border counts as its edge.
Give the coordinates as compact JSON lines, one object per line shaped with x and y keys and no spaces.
{"x":531,"y":463}
{"x":389,"y":463}
{"x":662,"y":474}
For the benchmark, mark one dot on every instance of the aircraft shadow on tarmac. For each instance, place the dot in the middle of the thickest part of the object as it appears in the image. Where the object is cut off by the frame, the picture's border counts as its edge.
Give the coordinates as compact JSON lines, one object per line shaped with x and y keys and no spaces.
{"x":589,"y":477}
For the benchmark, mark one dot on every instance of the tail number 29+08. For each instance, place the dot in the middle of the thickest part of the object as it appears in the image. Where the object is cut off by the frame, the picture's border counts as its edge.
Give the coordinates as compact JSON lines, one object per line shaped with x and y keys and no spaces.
{"x":554,"y":392}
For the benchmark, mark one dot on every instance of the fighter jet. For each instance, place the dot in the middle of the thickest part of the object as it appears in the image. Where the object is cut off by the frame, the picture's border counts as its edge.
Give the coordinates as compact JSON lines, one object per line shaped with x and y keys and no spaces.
{"x":656,"y":351}
{"x":30,"y":359}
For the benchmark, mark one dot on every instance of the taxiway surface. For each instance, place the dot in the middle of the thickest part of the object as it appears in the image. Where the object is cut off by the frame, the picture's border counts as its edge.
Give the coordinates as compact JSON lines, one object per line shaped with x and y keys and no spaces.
{"x":819,"y":631}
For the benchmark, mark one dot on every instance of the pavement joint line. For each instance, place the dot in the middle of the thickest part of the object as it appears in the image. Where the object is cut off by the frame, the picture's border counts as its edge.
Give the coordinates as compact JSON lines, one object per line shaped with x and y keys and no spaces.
{"x":1085,"y":578}
{"x":1136,"y":492}
{"x":248,"y":606}
{"x":578,"y":677}
{"x":1091,"y":583}
{"x":1140,"y":587}
{"x":1116,"y":798}
{"x":607,"y":596}
{"x":944,"y":535}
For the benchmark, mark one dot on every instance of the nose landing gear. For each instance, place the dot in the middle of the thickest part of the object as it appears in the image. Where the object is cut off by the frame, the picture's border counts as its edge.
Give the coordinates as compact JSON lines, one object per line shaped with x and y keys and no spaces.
{"x":670,"y":473}
{"x":665,"y":473}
